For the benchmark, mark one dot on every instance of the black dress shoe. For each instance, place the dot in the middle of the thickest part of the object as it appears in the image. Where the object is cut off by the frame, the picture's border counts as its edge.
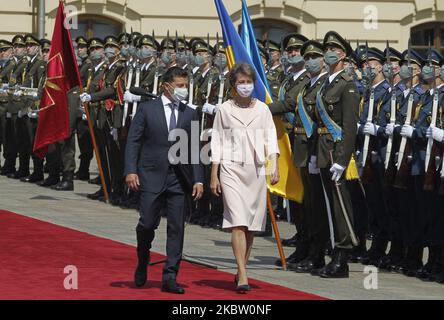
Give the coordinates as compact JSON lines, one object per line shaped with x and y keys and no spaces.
{"x":49,"y":182}
{"x":82,"y":176}
{"x":291,"y":242}
{"x":5,"y":171}
{"x":95,"y":181}
{"x":171,"y":286}
{"x":64,"y":186}
{"x":298,"y":255}
{"x":18,"y":175}
{"x":33,"y":178}
{"x":307,"y":265}
{"x":96,"y":195}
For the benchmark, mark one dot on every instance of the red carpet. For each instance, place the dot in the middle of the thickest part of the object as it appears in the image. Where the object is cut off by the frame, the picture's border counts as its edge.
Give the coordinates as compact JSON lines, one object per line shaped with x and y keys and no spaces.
{"x":33,"y":255}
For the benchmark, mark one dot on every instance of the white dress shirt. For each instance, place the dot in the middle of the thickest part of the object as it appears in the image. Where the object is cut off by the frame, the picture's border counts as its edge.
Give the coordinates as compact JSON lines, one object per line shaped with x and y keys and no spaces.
{"x":334,"y":75}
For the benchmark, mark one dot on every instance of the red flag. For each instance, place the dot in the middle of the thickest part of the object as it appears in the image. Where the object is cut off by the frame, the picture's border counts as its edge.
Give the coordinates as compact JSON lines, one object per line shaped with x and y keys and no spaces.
{"x":62,"y":75}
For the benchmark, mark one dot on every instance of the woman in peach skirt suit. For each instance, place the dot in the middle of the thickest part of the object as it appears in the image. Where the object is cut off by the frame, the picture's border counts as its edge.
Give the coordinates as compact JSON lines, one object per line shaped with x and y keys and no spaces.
{"x":243,"y":139}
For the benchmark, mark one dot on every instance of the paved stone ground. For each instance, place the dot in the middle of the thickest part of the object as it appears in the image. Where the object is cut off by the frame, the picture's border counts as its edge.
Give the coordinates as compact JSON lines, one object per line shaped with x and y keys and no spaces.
{"x":212,"y":247}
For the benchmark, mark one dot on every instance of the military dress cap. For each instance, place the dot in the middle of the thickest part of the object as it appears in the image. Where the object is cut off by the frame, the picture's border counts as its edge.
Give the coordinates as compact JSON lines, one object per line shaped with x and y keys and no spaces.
{"x":333,"y":38}
{"x":436,"y":58}
{"x":147,"y":40}
{"x":374,"y":54}
{"x":201,"y":46}
{"x":111,"y":41}
{"x":353,"y":58}
{"x":272,"y":46}
{"x":220,"y":46}
{"x":394,"y":55}
{"x":18,"y":40}
{"x":95,"y":43}
{"x":415,"y":57}
{"x":81,"y":41}
{"x":4,"y":44}
{"x":45,"y":44}
{"x":312,"y":47}
{"x":135,"y":34}
{"x":293,"y":40}
{"x":167,"y":43}
{"x":124,"y":38}
{"x":263,"y":52}
{"x":30,"y":40}
{"x":180,"y":44}
{"x":192,"y":40}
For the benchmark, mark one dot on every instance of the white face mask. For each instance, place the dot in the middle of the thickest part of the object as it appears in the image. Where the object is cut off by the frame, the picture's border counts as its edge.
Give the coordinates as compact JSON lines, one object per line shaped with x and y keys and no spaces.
{"x":245,"y":90}
{"x":181,"y":94}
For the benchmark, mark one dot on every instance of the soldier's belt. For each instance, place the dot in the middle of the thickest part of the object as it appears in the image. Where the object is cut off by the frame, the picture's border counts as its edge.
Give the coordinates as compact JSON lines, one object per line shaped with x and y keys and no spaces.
{"x":322,"y":131}
{"x":299,"y":130}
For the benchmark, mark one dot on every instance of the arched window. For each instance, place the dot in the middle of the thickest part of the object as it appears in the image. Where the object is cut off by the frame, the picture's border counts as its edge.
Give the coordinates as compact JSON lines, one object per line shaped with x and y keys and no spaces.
{"x":96,"y":26}
{"x":272,"y":29}
{"x":420,"y":36}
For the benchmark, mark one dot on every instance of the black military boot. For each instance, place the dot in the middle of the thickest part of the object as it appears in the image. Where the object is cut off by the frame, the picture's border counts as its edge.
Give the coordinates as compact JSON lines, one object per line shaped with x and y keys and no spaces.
{"x":393,"y":258}
{"x":52,"y":180}
{"x":301,"y":253}
{"x":66,"y":184}
{"x":359,"y":253}
{"x":19,"y":174}
{"x":414,"y":261}
{"x":376,"y":252}
{"x":291,"y":242}
{"x":96,"y":195}
{"x":95,"y":180}
{"x":144,"y":238}
{"x":425,"y":272}
{"x":6,"y":169}
{"x":315,"y":260}
{"x":83,"y":173}
{"x":33,"y":178}
{"x":338,"y":267}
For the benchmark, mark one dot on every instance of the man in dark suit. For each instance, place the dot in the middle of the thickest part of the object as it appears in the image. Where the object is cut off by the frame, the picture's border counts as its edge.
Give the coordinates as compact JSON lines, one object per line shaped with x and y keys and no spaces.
{"x":165,"y":182}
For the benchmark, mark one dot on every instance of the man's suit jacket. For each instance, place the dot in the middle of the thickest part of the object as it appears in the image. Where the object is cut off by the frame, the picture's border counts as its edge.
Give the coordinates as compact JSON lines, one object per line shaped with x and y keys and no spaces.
{"x":147,"y":147}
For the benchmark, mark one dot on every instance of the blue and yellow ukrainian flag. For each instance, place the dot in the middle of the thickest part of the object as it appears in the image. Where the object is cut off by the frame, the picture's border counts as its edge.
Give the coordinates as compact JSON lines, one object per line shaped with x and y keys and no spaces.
{"x":290,"y":184}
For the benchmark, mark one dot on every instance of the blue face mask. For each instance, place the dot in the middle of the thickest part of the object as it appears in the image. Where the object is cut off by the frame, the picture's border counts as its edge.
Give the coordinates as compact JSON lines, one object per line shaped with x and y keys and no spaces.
{"x":405,"y":73}
{"x":221,"y":61}
{"x":428,"y":73}
{"x":441,"y":74}
{"x":387,"y":70}
{"x":96,"y":56}
{"x":146,"y":53}
{"x":110,"y":52}
{"x":181,"y":58}
{"x":166,"y":58}
{"x":199,"y":60}
{"x":313,"y":66}
{"x":368,"y":74}
{"x":295,"y":60}
{"x":331,"y":58}
{"x":124,"y":52}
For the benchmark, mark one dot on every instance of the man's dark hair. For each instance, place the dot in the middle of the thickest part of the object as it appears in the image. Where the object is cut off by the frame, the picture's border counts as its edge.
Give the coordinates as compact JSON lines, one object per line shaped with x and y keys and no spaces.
{"x":244,"y":69}
{"x":174,"y":72}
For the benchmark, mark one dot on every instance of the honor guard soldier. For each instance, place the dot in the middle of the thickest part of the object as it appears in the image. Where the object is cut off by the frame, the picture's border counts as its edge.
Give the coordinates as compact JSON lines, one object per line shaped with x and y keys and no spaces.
{"x":275,"y":71}
{"x":409,"y":180}
{"x":297,"y":78}
{"x":81,"y":128}
{"x":372,"y":142}
{"x":10,"y":135}
{"x":109,"y":96}
{"x":429,"y":155}
{"x":33,"y":81}
{"x":313,"y":231}
{"x":5,"y":56}
{"x":337,"y":106}
{"x":94,"y":75}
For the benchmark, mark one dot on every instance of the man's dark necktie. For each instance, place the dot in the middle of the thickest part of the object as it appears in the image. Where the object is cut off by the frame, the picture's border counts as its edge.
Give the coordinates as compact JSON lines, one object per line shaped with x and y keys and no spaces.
{"x":173,"y":121}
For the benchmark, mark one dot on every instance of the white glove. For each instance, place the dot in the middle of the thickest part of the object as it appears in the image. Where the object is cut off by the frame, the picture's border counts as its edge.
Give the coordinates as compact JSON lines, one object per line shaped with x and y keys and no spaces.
{"x":85,"y":97}
{"x":312,"y":166}
{"x":18,"y":93}
{"x":389,"y":129}
{"x":192,"y":106}
{"x":130,"y":98}
{"x":337,"y":171}
{"x":209,"y":108}
{"x":407,"y":131}
{"x":435,"y":133}
{"x":84,"y":117}
{"x":371,"y":129}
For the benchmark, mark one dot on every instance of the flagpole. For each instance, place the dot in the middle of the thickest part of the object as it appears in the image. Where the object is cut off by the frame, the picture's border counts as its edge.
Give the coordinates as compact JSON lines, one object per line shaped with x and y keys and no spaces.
{"x":96,"y":151}
{"x":277,"y":236}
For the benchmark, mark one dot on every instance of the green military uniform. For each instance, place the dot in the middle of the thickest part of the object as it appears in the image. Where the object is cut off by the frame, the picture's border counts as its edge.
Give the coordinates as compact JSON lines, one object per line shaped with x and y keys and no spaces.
{"x":107,"y":102}
{"x":337,"y":108}
{"x":16,"y":114}
{"x":4,"y":45}
{"x":34,"y":78}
